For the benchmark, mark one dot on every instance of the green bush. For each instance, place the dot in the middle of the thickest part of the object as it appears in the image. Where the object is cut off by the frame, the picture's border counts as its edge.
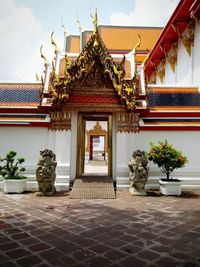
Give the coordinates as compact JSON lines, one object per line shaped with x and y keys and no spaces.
{"x":11,"y":169}
{"x":166,"y":157}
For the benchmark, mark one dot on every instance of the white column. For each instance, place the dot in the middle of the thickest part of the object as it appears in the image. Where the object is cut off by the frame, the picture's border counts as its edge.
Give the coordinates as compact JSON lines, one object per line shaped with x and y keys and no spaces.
{"x":73,"y":146}
{"x":47,"y":76}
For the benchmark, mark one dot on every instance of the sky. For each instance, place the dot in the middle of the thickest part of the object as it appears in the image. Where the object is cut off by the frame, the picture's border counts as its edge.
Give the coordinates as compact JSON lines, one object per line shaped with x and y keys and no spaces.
{"x":25,"y":25}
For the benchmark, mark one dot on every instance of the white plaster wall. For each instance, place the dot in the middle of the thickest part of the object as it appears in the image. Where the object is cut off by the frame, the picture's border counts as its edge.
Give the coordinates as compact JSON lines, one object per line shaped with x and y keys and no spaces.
{"x":29,"y":141}
{"x":73,"y":146}
{"x":170,"y":76}
{"x":158,"y":81}
{"x":26,"y":141}
{"x":187,"y":71}
{"x":196,"y":63}
{"x":186,"y":141}
{"x":184,"y":66}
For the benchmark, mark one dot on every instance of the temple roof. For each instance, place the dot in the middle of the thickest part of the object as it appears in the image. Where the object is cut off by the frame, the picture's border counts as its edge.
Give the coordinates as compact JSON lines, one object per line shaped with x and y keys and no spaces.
{"x":117,"y":39}
{"x":20,"y":94}
{"x":180,"y":18}
{"x":173,"y":98}
{"x":94,"y":68}
{"x":166,"y":122}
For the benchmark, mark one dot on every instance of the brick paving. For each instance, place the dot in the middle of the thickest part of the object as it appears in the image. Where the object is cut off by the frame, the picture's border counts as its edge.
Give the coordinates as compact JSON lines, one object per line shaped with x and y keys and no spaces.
{"x":127,"y":231}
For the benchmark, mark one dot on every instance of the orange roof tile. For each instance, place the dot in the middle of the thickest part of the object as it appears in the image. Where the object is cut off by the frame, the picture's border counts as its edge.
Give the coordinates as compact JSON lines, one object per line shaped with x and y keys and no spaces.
{"x":118,"y":38}
{"x":20,"y":94}
{"x":127,"y":67}
{"x":19,"y":104}
{"x":175,"y":108}
{"x":62,"y":66}
{"x":172,"y":90}
{"x":73,"y":44}
{"x":20,"y":86}
{"x":125,"y":38}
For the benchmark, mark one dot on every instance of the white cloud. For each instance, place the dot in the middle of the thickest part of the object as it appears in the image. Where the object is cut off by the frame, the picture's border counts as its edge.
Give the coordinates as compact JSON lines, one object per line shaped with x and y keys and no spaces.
{"x":21,"y":37}
{"x":146,"y":13}
{"x":122,"y":19}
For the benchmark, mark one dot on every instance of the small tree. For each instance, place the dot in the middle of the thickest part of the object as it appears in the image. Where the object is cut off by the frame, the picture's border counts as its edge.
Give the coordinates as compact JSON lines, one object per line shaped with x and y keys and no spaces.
{"x":166,"y":157}
{"x":11,"y":169}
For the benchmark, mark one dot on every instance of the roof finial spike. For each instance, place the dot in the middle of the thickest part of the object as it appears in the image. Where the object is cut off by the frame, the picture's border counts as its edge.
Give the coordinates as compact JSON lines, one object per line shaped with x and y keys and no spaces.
{"x":64,"y":28}
{"x":53,"y":66}
{"x":54,"y":43}
{"x":42,"y":55}
{"x":64,"y":33}
{"x":95,"y":21}
{"x":136,"y":46}
{"x":80,"y":28}
{"x":37,"y":77}
{"x":80,"y":31}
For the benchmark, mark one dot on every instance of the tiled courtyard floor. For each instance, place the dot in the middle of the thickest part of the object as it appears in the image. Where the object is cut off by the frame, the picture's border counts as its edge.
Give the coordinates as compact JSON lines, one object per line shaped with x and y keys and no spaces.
{"x":126,"y":231}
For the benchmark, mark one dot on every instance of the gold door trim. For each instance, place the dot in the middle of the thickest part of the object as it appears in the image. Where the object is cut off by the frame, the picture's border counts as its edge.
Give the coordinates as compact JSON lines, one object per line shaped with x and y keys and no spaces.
{"x":82,"y":117}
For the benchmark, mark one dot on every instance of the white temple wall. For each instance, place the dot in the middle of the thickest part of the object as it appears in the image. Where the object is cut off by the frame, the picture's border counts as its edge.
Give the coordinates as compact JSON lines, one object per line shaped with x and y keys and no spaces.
{"x":187,"y":70}
{"x":186,"y":141}
{"x":158,"y":81}
{"x":73,"y":146}
{"x":183,"y":66}
{"x":196,"y":62}
{"x":28,"y":142}
{"x":170,"y":76}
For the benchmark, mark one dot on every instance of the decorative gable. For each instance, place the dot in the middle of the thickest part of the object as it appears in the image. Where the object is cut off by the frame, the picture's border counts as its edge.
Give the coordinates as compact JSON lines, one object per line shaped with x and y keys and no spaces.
{"x":92,"y":83}
{"x":94,"y":69}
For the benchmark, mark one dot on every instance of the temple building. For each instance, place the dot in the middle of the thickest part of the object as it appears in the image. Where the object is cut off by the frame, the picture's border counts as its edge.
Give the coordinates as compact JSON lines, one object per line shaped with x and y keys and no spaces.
{"x":112,"y":91}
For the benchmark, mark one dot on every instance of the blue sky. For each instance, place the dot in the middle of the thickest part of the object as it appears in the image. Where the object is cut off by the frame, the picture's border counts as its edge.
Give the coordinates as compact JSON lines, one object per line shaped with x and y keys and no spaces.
{"x":25,"y":25}
{"x":49,"y":12}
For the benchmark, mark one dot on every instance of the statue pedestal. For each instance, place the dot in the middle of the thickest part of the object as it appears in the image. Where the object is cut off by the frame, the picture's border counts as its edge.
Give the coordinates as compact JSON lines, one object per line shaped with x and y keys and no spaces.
{"x":136,"y":192}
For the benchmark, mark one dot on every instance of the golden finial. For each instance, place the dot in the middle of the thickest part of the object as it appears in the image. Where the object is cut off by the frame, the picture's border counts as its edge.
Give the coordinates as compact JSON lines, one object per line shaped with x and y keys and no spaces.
{"x":53,"y":42}
{"x":138,"y":43}
{"x":37,"y":77}
{"x":42,"y":55}
{"x":80,"y":28}
{"x":64,"y":28}
{"x":95,"y":21}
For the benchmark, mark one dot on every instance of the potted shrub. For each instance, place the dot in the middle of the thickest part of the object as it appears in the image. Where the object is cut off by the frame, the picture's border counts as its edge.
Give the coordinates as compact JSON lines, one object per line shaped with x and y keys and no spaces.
{"x":168,"y":159}
{"x":14,"y":181}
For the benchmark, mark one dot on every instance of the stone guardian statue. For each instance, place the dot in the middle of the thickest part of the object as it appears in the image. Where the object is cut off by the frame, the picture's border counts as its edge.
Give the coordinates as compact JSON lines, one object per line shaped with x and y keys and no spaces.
{"x":138,"y":173}
{"x":46,"y":173}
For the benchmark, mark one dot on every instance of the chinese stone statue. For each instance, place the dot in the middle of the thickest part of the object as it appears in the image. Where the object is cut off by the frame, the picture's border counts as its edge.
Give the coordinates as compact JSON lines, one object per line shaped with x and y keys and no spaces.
{"x":46,"y":173}
{"x":138,"y":173}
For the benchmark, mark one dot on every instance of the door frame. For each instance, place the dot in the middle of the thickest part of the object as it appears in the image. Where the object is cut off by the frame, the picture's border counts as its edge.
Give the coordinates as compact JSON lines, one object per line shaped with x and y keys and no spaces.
{"x":82,"y":118}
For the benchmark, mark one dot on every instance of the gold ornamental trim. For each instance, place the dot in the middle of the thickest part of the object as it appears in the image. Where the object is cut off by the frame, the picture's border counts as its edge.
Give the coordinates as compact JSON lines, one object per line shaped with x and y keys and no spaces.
{"x":128,"y":122}
{"x":60,"y":120}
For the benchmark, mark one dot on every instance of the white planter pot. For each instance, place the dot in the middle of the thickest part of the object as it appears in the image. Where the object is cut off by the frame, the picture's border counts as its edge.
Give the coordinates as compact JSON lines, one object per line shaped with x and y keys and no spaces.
{"x":14,"y":186}
{"x":170,"y":188}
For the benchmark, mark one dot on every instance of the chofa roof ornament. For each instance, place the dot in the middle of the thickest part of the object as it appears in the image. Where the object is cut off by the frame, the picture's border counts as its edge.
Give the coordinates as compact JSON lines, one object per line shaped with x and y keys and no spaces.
{"x":95,"y":21}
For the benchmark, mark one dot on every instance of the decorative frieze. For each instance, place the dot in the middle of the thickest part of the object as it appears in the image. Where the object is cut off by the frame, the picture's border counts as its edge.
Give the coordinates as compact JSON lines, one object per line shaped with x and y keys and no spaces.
{"x":172,"y":56}
{"x":187,"y":38}
{"x":128,"y":122}
{"x":161,"y":70}
{"x":60,"y":120}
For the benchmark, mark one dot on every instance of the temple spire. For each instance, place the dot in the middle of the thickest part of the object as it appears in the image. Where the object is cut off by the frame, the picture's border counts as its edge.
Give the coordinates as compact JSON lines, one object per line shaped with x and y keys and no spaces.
{"x":80,"y":28}
{"x":54,"y":43}
{"x":95,"y":21}
{"x":64,"y":33}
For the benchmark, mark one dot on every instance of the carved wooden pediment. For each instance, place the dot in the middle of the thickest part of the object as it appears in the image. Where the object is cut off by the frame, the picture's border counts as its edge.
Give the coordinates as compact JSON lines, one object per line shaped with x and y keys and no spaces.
{"x":96,"y":77}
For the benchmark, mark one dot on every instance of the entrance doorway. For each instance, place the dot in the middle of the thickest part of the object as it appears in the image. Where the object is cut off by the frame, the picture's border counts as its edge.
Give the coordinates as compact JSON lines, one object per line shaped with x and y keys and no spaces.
{"x":94,"y":145}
